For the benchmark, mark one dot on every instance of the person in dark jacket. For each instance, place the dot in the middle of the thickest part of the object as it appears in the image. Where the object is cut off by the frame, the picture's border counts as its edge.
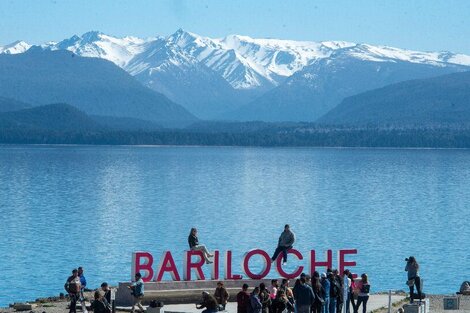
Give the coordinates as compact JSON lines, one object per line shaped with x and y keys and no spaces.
{"x":193,"y":242}
{"x":412,"y":267}
{"x":221,"y":295}
{"x":255,"y":303}
{"x":319,"y":294}
{"x":83,"y":286}
{"x":304,"y":297}
{"x":243,"y":300}
{"x":99,"y":304}
{"x":285,"y":242}
{"x":326,"y":287}
{"x":264,"y":298}
{"x":340,"y":295}
{"x":107,"y":294}
{"x":209,"y":303}
{"x":335,"y":289}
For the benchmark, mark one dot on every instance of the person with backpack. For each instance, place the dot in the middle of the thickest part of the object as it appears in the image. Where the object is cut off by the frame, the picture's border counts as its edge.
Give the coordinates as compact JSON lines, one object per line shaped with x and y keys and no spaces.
{"x":412,"y":267}
{"x":243,"y":299}
{"x":363,"y":288}
{"x":137,"y":289}
{"x":265,"y":298}
{"x":255,"y":303}
{"x":72,"y":287}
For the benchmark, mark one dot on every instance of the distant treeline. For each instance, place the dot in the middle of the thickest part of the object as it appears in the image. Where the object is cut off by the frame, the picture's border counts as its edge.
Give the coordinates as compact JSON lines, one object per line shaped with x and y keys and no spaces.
{"x":298,"y":137}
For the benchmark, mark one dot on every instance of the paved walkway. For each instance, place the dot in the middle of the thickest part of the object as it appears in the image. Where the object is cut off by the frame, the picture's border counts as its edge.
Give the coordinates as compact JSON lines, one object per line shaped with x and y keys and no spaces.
{"x":375,"y":302}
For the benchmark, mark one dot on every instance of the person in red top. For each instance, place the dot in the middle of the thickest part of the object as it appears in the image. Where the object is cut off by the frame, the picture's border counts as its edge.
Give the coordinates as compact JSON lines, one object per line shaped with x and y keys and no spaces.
{"x":243,"y":300}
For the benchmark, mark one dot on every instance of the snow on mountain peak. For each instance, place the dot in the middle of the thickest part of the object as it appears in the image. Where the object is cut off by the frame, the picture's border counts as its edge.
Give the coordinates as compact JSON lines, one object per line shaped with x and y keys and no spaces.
{"x":243,"y":61}
{"x":18,"y":46}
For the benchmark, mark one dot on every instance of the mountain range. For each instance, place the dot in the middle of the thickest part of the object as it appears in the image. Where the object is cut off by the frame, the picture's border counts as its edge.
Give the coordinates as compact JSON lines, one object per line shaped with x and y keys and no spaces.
{"x":238,"y":78}
{"x":95,"y":86}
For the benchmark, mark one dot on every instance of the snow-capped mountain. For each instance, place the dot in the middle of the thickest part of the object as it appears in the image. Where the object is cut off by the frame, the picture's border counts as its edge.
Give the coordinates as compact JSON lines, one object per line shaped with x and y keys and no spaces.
{"x":317,"y":88}
{"x":15,"y":47}
{"x":256,"y":77}
{"x":166,"y":68}
{"x":98,"y":45}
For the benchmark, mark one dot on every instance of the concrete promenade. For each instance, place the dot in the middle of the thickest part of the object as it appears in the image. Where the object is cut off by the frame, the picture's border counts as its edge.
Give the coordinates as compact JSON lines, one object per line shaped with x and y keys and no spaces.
{"x":375,"y":302}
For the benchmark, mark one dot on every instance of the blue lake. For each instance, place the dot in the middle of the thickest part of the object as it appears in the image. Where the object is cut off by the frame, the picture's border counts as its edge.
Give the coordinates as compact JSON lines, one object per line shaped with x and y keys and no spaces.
{"x":66,"y":206}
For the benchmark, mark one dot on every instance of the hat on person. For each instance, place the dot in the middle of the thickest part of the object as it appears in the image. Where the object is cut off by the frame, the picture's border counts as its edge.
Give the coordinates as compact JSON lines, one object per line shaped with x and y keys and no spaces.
{"x":323,"y":275}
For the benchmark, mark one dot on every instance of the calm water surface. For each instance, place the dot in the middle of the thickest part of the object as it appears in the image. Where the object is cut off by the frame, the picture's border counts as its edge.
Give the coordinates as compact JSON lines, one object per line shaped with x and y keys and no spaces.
{"x":65,"y":206}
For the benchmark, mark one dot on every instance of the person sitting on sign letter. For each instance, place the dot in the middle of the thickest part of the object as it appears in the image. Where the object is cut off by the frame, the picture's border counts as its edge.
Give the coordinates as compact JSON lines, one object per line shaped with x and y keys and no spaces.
{"x":286,"y":241}
{"x":194,"y":245}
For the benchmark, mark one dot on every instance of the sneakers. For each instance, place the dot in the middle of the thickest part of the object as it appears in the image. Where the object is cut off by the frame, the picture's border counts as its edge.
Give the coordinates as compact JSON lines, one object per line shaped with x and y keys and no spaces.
{"x":284,"y":263}
{"x":209,"y":262}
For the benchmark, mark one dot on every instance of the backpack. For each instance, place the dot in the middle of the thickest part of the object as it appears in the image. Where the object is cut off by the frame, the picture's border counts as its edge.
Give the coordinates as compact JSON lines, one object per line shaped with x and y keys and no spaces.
{"x":335,"y":289}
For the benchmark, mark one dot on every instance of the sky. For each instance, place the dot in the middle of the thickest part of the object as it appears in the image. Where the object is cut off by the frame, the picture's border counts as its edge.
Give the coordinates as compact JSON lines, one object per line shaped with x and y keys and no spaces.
{"x":422,"y":25}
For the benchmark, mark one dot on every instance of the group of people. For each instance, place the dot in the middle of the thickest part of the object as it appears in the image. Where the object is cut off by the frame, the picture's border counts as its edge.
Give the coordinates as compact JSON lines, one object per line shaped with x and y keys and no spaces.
{"x":310,"y":294}
{"x":75,"y":286}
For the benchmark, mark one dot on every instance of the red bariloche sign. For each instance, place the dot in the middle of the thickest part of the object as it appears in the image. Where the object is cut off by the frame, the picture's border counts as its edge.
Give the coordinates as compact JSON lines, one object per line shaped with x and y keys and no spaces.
{"x":193,"y":262}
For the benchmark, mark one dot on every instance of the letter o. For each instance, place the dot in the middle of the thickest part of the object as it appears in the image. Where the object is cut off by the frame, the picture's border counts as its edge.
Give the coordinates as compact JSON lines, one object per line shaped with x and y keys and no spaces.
{"x":266,"y":266}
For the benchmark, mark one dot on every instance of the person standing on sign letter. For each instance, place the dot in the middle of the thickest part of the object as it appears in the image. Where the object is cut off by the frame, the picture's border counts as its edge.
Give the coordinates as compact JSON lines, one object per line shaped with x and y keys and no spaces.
{"x":194,"y":245}
{"x":286,"y":241}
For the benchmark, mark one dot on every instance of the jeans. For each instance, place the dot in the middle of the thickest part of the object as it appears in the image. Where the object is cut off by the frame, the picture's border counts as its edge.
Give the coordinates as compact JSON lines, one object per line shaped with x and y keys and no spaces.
{"x":418,"y":289}
{"x":138,"y":303}
{"x":346,"y":303}
{"x":302,"y":308}
{"x":332,"y":305}
{"x":363,"y":300}
{"x":202,"y":248}
{"x":280,"y":249}
{"x":326,"y":305}
{"x":73,"y":303}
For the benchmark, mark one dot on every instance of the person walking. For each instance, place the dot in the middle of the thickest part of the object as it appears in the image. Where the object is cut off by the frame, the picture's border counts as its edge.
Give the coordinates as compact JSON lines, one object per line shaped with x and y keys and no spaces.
{"x":194,"y":245}
{"x":137,"y":292}
{"x":243,"y":299}
{"x":72,"y":287}
{"x":221,"y":295}
{"x":326,"y":287}
{"x":285,"y":242}
{"x":255,"y":303}
{"x":209,"y":303}
{"x":412,"y":267}
{"x":304,"y":297}
{"x":82,"y":288}
{"x":363,"y":288}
